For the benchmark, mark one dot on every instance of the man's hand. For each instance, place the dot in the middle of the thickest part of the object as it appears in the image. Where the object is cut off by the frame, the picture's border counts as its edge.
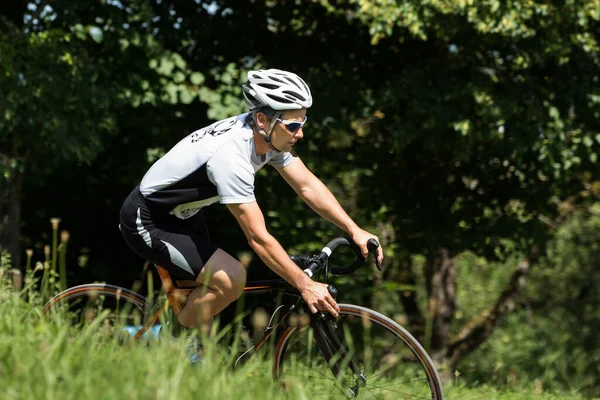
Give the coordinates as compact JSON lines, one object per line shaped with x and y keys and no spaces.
{"x":361,"y":237}
{"x":317,"y":297}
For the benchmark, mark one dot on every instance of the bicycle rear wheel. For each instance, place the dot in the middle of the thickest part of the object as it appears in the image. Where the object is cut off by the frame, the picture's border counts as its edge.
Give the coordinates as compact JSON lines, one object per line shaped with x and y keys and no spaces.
{"x":372,"y":355}
{"x":119,"y":312}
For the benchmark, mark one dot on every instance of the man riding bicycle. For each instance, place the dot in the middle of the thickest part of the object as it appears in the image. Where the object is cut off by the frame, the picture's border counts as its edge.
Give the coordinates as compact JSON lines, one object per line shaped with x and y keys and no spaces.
{"x":162,"y":218}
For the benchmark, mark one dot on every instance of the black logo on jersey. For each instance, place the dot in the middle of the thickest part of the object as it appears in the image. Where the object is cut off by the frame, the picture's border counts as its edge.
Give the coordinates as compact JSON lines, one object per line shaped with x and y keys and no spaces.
{"x":216,"y":129}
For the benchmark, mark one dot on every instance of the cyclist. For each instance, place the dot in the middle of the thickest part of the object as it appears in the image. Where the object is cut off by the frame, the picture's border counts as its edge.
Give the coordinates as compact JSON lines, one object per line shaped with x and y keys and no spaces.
{"x":162,"y":218}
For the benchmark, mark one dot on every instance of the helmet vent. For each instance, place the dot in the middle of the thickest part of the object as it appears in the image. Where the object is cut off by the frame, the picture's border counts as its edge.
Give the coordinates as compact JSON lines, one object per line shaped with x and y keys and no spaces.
{"x":293,"y":83}
{"x":295,"y":95}
{"x":280,"y":99}
{"x":276,"y":79}
{"x":268,"y":85}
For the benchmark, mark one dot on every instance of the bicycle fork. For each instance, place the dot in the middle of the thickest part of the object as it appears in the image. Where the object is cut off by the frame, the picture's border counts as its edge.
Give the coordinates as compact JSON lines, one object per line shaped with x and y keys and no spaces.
{"x":336,"y":354}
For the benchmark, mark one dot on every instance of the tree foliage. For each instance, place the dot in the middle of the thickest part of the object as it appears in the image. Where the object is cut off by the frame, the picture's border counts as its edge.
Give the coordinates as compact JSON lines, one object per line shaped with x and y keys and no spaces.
{"x":63,"y":79}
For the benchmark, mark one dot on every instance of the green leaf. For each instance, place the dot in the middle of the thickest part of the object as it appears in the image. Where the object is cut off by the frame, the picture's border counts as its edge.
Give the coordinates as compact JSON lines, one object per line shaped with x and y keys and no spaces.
{"x":197,"y":78}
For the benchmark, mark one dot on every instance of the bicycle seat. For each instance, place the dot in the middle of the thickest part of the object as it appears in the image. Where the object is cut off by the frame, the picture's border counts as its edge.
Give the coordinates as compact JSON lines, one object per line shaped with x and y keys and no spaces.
{"x":171,"y":282}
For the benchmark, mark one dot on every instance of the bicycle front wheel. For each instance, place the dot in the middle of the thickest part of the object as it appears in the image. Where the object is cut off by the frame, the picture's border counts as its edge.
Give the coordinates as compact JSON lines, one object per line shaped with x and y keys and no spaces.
{"x":360,"y":354}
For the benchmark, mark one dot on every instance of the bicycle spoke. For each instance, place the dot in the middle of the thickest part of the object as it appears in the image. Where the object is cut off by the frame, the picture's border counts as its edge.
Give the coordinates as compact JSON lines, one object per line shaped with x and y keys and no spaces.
{"x":374,"y":395}
{"x":312,"y":376}
{"x":370,"y":352}
{"x":315,"y":370}
{"x":321,"y":393}
{"x":366,"y":354}
{"x":395,"y":391}
{"x":383,"y":356}
{"x":368,"y":386}
{"x":402,"y":383}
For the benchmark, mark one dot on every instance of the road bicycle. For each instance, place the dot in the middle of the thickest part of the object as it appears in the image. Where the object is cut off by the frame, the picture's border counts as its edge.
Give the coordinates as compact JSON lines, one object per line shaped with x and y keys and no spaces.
{"x":362,"y":353}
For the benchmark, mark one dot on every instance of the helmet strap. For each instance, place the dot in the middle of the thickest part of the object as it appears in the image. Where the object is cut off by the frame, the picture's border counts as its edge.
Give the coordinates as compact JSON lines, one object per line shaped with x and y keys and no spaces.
{"x":267,"y":136}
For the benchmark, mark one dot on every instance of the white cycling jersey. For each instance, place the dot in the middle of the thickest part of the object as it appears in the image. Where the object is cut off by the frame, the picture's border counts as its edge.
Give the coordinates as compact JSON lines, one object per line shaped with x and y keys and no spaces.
{"x":215,"y":163}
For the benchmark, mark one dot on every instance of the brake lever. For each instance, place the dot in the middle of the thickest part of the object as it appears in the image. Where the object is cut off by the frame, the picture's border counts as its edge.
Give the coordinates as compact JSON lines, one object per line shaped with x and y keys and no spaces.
{"x":372,"y":246}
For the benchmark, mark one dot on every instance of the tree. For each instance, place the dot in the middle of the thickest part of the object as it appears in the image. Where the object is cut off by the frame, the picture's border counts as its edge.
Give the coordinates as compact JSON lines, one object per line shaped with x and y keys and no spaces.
{"x":485,"y":114}
{"x":62,"y":83}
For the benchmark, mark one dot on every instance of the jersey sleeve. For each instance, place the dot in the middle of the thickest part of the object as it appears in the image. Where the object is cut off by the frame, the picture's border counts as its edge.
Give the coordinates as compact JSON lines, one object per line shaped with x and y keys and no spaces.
{"x":233,"y":176}
{"x":280,"y":160}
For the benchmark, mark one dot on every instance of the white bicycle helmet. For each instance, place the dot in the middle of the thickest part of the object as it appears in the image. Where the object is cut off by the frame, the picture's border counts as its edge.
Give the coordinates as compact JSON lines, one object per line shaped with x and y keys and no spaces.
{"x":276,"y":89}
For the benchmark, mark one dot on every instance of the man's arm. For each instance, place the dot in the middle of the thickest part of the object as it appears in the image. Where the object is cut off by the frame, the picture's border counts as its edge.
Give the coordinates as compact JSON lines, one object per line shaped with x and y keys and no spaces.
{"x":252,"y":222}
{"x":323,"y":202}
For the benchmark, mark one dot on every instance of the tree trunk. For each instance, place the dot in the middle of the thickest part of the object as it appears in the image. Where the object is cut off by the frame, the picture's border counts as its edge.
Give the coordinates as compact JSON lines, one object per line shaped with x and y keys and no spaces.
{"x":408,"y":298}
{"x":11,"y":179}
{"x":440,"y":271}
{"x":11,"y":189}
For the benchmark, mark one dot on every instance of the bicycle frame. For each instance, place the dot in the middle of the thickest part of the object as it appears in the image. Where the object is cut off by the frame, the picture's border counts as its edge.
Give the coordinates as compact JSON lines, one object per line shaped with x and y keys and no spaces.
{"x":177,"y":292}
{"x":327,"y":341}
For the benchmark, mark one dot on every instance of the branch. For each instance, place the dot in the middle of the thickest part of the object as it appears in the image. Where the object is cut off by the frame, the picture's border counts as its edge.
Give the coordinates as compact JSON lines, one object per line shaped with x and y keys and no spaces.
{"x":481,"y":327}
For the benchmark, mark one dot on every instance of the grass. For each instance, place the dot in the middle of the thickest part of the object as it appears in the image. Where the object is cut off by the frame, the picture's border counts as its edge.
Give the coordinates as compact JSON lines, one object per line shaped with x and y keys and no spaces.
{"x":45,"y":358}
{"x":489,"y":393}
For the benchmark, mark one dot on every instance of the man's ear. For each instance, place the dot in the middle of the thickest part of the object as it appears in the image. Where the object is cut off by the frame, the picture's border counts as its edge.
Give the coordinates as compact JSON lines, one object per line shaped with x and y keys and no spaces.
{"x":261,"y":118}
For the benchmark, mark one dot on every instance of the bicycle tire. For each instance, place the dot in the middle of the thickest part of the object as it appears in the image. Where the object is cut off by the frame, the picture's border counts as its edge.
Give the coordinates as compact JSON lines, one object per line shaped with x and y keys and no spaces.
{"x":113,"y":298}
{"x":366,"y":317}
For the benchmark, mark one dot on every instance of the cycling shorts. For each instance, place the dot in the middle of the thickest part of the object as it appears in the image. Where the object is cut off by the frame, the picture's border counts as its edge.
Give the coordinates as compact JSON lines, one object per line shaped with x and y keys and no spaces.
{"x":181,"y":246}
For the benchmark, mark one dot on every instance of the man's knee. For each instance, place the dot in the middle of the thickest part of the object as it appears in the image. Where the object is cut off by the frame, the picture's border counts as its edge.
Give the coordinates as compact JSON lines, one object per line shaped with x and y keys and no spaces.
{"x":237,"y":278}
{"x":229,"y":276}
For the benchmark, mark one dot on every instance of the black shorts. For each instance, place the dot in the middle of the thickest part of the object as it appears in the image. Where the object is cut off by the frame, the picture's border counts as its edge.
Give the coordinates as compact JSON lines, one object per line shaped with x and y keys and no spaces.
{"x":182,"y":246}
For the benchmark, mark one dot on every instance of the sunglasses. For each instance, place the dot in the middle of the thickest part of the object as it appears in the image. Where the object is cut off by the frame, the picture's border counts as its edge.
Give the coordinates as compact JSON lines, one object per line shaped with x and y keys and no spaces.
{"x":292,"y":126}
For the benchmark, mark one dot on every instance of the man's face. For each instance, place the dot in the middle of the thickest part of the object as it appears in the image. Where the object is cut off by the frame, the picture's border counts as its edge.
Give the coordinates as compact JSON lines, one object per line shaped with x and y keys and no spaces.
{"x":286,"y":131}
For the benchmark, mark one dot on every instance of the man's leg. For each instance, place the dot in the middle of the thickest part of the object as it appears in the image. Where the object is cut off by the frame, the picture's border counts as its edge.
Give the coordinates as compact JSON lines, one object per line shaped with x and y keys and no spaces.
{"x":222,"y":282}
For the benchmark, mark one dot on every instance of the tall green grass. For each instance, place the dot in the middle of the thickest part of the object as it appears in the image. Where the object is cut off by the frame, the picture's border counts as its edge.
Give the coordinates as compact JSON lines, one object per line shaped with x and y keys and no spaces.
{"x":44,"y":357}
